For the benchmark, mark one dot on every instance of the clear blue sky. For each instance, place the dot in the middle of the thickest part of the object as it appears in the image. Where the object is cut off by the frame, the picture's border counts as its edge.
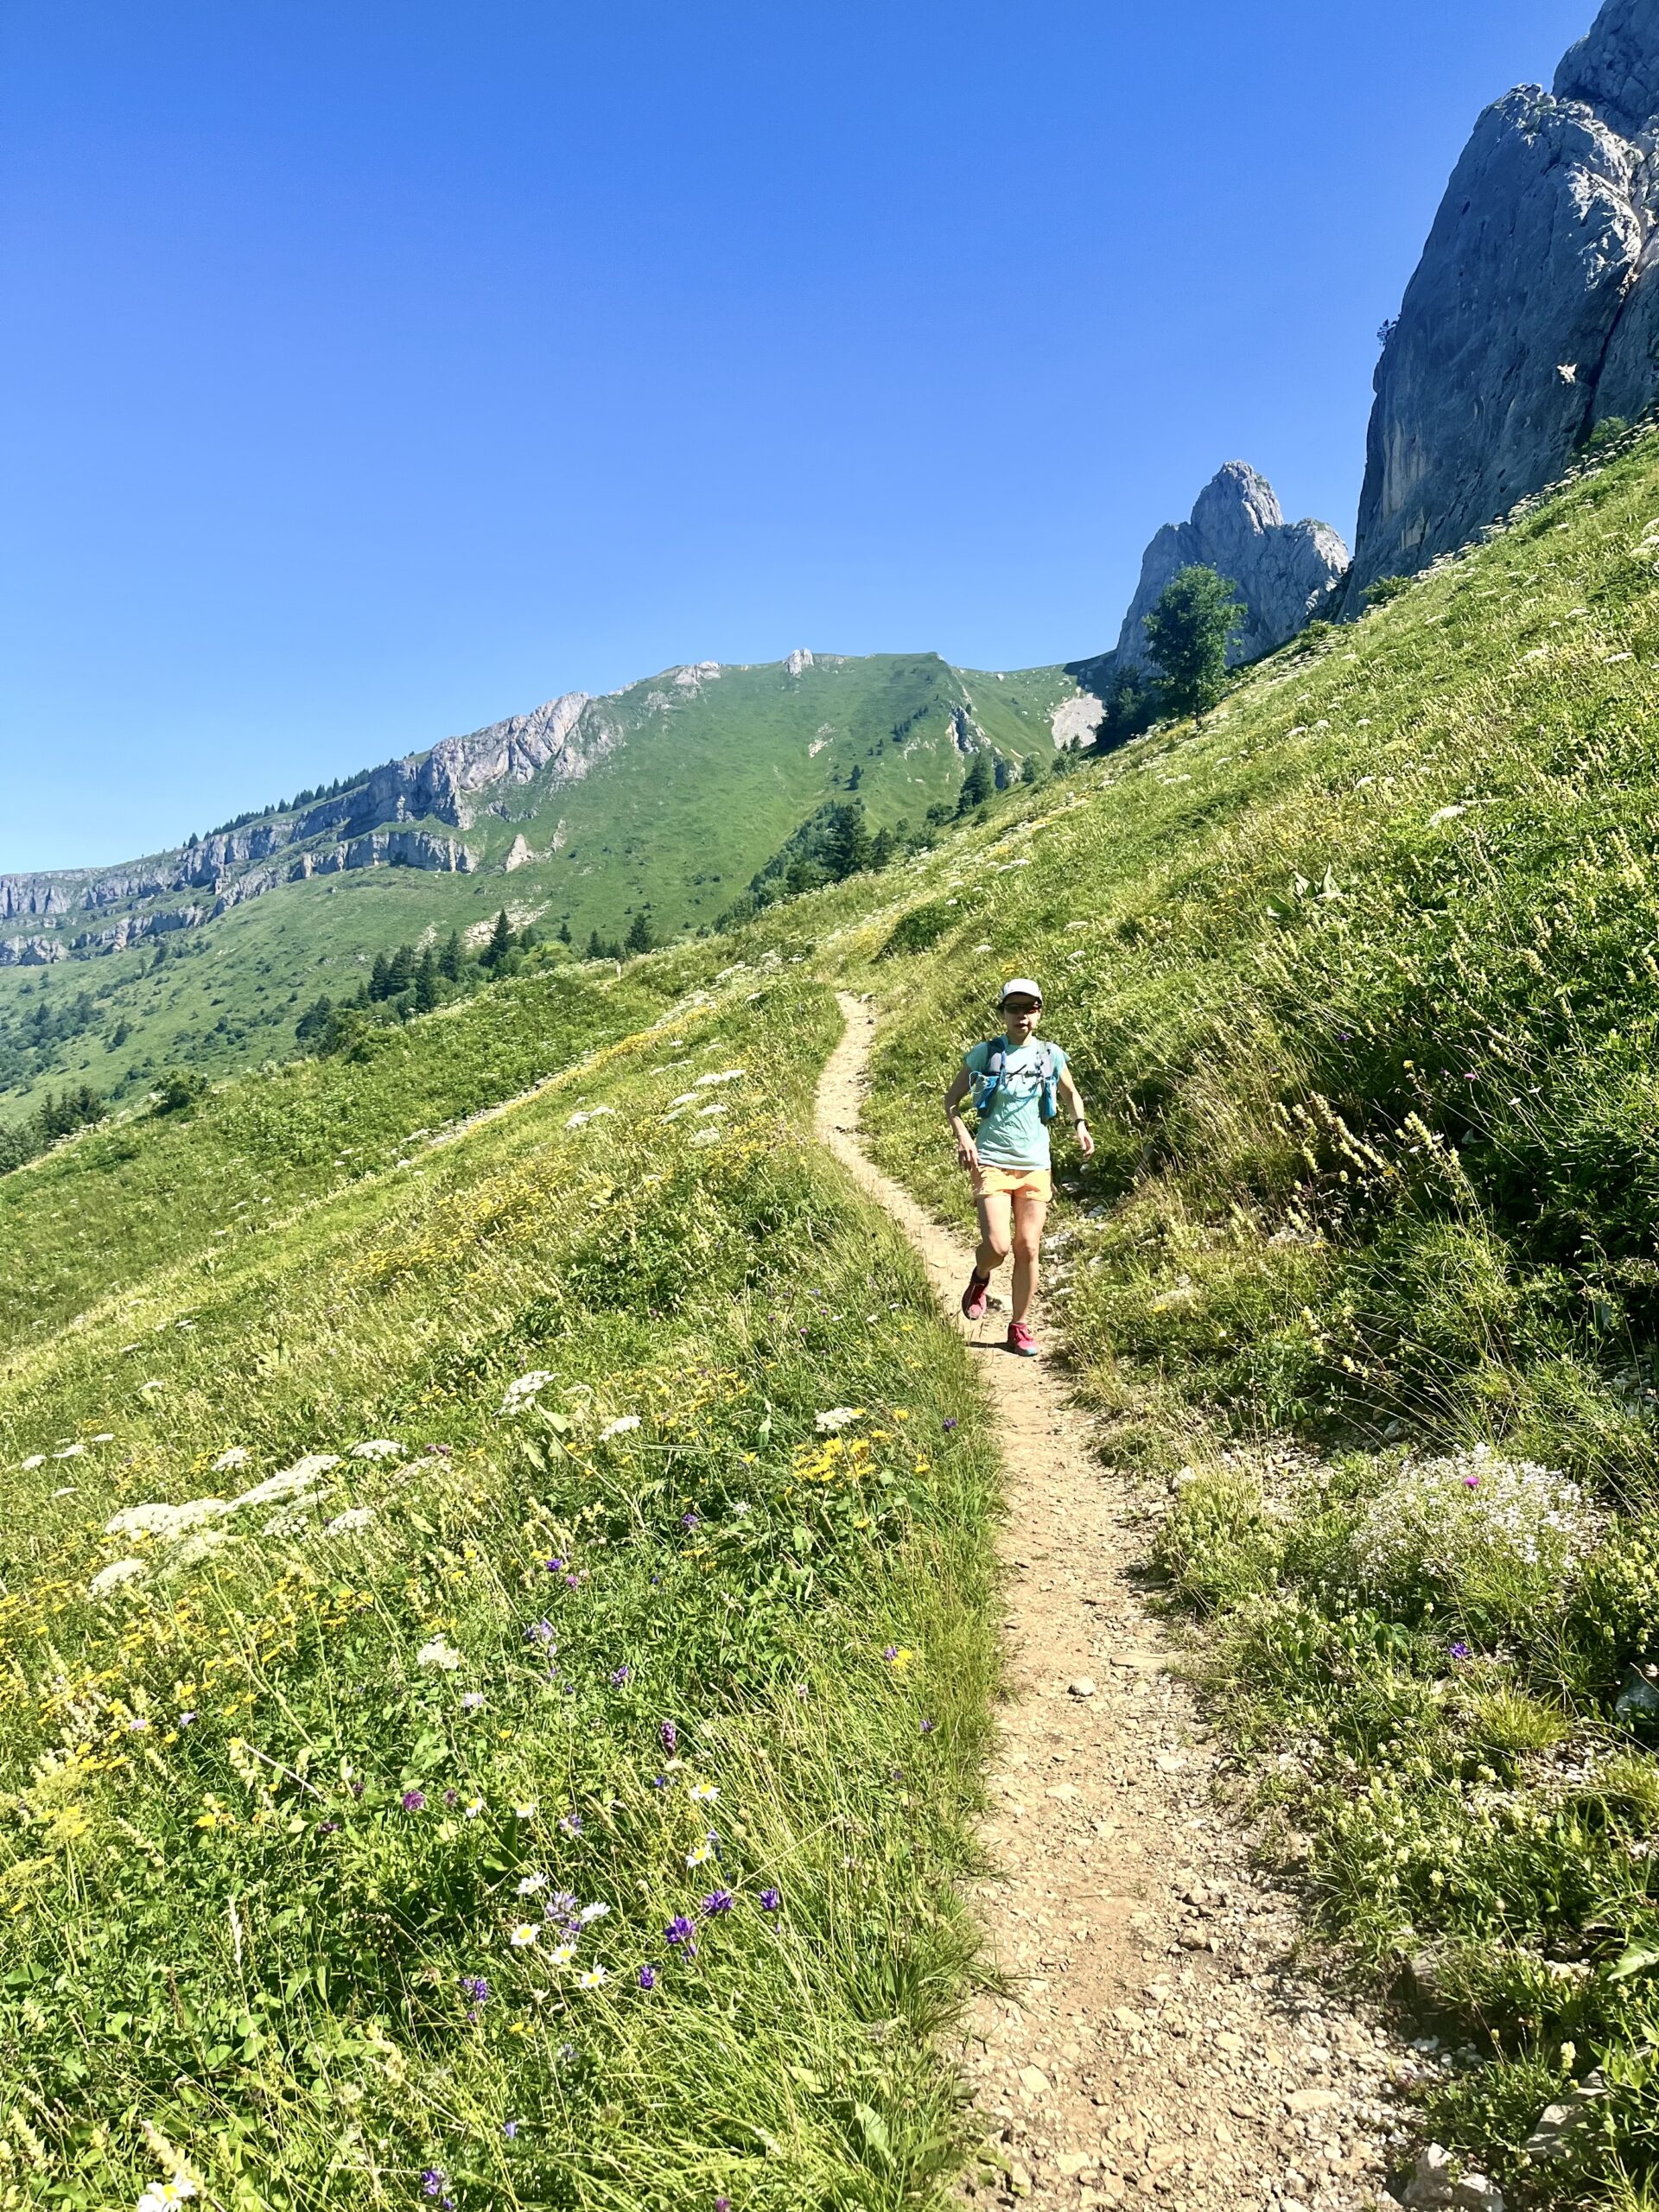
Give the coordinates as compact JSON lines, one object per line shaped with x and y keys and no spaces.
{"x":375,"y":368}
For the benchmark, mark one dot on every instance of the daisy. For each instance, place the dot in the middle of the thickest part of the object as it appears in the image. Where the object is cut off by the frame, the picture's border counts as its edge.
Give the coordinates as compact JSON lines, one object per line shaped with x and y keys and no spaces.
{"x":523,"y":1935}
{"x":596,"y":1978}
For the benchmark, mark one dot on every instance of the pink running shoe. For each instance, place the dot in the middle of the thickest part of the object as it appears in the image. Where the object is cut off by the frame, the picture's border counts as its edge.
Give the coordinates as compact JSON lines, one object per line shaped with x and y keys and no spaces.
{"x":1021,"y":1340}
{"x":972,"y":1299}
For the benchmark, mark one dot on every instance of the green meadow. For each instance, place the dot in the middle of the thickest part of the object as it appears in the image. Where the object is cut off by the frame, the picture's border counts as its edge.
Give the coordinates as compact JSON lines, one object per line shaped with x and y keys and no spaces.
{"x":538,"y":1765}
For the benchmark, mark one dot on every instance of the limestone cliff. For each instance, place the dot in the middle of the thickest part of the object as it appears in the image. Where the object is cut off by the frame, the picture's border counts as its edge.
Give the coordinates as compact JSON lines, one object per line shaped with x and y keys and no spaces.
{"x":1285,"y":571}
{"x":1534,"y":314}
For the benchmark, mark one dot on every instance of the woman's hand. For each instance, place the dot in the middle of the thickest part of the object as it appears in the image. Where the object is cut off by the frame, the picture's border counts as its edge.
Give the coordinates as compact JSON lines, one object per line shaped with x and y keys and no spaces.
{"x":967,"y":1152}
{"x":1086,"y":1142}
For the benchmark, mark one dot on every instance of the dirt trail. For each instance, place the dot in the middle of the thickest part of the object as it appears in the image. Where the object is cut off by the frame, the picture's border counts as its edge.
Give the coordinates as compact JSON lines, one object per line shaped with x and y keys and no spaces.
{"x":1157,"y":2040}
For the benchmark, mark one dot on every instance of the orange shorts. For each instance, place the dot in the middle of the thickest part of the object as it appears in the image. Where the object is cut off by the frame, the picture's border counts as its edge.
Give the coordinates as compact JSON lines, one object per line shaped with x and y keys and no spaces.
{"x":1014,"y":1182}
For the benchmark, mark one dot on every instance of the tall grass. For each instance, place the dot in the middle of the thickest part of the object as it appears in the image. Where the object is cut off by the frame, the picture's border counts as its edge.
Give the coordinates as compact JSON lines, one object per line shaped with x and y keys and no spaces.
{"x":655,"y":1640}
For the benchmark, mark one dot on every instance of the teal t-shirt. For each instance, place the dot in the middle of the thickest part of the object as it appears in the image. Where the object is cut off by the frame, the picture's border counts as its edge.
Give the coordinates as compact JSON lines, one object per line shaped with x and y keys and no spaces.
{"x":1012,"y":1132}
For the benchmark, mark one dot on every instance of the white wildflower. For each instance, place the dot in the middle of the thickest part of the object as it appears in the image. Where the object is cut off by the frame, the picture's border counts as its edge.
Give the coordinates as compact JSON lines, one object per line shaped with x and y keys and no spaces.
{"x":590,"y":1913}
{"x":295,"y":1482}
{"x":624,"y":1425}
{"x":238,"y":1455}
{"x":439,"y":1653}
{"x":347,"y":1523}
{"x":523,"y":1935}
{"x":593,"y":1113}
{"x":70,"y":1452}
{"x":161,"y":2195}
{"x":377,"y":1447}
{"x":594,"y":1978}
{"x":522,"y":1393}
{"x":167,"y":1523}
{"x":726,"y":1075}
{"x":705,"y":1112}
{"x":1445,"y":814}
{"x":530,"y":1884}
{"x":838,"y":1417}
{"x":1458,"y":1521}
{"x":562,"y":1954}
{"x":112,"y":1577}
{"x":35,"y":1459}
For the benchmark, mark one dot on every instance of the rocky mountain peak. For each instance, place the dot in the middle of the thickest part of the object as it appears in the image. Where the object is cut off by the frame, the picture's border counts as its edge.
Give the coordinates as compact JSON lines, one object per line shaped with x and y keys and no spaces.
{"x":1534,"y":314}
{"x":1285,"y":571}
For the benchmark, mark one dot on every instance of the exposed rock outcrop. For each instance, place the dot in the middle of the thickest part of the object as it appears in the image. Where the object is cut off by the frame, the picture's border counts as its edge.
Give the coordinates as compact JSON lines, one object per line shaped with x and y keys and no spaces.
{"x":1285,"y":571}
{"x":1534,"y":314}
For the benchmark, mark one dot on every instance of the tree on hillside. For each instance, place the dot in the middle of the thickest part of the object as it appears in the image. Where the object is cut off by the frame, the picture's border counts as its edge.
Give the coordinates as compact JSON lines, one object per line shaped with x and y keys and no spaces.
{"x":595,"y":945}
{"x":1131,"y":704}
{"x":429,"y":989}
{"x":500,"y":943}
{"x":379,"y":977}
{"x":1035,"y":767}
{"x":564,"y":931}
{"x":450,"y":958}
{"x":977,"y":785}
{"x":638,"y":938}
{"x":313,"y":1024}
{"x":400,"y":973}
{"x":1187,"y":633}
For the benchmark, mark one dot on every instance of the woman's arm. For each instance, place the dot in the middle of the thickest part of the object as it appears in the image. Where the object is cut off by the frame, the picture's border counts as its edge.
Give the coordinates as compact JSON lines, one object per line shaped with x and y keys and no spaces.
{"x":1075,"y":1113}
{"x":967,"y":1150}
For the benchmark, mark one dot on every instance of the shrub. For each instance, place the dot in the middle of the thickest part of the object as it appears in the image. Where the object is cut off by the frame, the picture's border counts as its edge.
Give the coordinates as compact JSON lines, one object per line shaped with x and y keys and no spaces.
{"x":179,"y":1088}
{"x":1387,"y":588}
{"x":1218,"y":1546}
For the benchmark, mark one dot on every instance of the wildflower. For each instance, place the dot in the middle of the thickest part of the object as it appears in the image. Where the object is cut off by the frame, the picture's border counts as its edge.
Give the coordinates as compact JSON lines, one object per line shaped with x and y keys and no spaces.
{"x":452,"y":1798}
{"x":590,"y":1913}
{"x":530,"y":1884}
{"x":700,"y":1854}
{"x":377,"y":1448}
{"x":717,"y":1901}
{"x":523,"y":1935}
{"x":472,"y":1811}
{"x":770,"y":1900}
{"x":543,"y":1631}
{"x":899,"y":1655}
{"x":594,"y":1978}
{"x":161,"y":2194}
{"x":476,"y":1989}
{"x":1461,"y":1651}
{"x":680,"y":1931}
{"x":723,"y":2204}
{"x":670,"y":1737}
{"x":526,"y":1812}
{"x":690,"y":1521}
{"x":704,"y":1793}
{"x":112,"y":1577}
{"x":185,"y":1719}
{"x":137,"y":1725}
{"x":928,"y":1726}
{"x":510,"y":2128}
{"x":803,"y":1689}
{"x":413,"y":1800}
{"x":1471,"y":1482}
{"x":238,"y":1455}
{"x":432,"y":2181}
{"x":471,"y":1700}
{"x":647,"y":1977}
{"x":951,"y":1422}
{"x":562,"y":1954}
{"x":620,"y":1676}
{"x":522,"y":1393}
{"x":554,"y":1566}
{"x":624,"y":1427}
{"x":571,"y":1823}
{"x":837,"y":1418}
{"x":439,"y":1653}
{"x":35,"y":1459}
{"x":347,"y":1523}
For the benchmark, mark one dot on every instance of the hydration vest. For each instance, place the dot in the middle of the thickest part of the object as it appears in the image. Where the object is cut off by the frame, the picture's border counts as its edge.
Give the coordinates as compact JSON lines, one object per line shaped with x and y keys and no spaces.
{"x":986,"y":1086}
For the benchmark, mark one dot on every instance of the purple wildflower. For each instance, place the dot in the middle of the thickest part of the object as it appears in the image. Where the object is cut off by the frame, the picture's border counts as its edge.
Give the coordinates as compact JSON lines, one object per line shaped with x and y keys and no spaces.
{"x":413,"y":1800}
{"x":680,"y":1931}
{"x":509,"y":2128}
{"x":950,"y":1421}
{"x":185,"y":1719}
{"x":554,"y":1566}
{"x":432,"y":2181}
{"x":659,"y":1782}
{"x":327,"y":1828}
{"x":723,"y":2204}
{"x":690,"y":1521}
{"x":452,"y":1796}
{"x":928,"y":1726}
{"x":573,"y":1581}
{"x":671,"y":1736}
{"x":620,"y":1676}
{"x":541,"y":1632}
{"x":1471,"y":1482}
{"x":1461,"y":1651}
{"x":891,"y":1652}
{"x":357,"y":1789}
{"x":716,"y":1901}
{"x":439,"y":1450}
{"x":476,"y":1989}
{"x":770,"y":1900}
{"x":571,"y":1824}
{"x":647,"y":1977}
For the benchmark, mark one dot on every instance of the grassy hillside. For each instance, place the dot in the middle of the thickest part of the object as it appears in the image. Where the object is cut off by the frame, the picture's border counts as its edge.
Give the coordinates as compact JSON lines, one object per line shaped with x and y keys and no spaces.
{"x":1361,"y":983}
{"x":705,"y":779}
{"x":549,"y":1791}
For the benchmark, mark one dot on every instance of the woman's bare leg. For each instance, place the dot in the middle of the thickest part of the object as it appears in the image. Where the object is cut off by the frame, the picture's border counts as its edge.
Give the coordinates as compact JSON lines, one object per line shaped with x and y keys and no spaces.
{"x":995,"y":1233}
{"x":1029,"y":1214}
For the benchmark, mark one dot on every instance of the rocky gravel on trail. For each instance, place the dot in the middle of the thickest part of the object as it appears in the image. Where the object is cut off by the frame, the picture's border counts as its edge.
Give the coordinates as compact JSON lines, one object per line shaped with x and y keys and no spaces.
{"x":1152,"y":2036}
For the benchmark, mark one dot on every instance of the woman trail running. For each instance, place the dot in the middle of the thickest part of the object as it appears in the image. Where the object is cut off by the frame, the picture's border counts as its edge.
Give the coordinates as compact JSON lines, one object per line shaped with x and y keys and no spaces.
{"x":1017,"y":1083}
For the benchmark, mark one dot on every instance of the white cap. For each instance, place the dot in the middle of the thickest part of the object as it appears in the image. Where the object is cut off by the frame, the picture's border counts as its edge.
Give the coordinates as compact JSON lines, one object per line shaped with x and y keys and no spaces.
{"x":1023,"y":986}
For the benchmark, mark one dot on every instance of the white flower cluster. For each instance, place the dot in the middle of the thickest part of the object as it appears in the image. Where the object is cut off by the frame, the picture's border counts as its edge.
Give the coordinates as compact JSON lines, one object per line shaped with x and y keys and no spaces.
{"x":837,"y":1418}
{"x":522,"y":1393}
{"x":1470,"y":1516}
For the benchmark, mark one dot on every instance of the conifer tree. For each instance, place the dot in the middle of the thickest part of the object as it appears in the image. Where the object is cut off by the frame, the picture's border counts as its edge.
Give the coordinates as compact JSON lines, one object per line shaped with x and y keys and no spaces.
{"x":449,"y":958}
{"x":500,"y":943}
{"x":595,"y":947}
{"x":638,"y":938}
{"x":977,"y":785}
{"x":379,"y":977}
{"x":428,"y":987}
{"x":400,"y":973}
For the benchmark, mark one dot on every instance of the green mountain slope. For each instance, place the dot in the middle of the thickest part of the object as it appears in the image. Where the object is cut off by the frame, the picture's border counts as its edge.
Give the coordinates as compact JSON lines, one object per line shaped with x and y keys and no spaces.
{"x":668,"y":796}
{"x":1359,"y":981}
